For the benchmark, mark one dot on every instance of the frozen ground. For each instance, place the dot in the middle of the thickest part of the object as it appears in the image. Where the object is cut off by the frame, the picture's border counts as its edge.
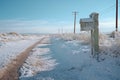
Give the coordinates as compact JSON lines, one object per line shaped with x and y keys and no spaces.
{"x":37,"y":61}
{"x":12,"y":44}
{"x":71,"y":59}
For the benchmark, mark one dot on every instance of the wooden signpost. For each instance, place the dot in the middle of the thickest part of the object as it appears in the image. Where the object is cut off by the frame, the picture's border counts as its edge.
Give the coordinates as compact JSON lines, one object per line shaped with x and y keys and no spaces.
{"x":86,"y":24}
{"x":91,"y":24}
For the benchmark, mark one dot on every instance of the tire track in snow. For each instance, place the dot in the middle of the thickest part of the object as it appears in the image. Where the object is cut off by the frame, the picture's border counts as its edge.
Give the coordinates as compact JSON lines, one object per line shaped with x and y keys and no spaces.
{"x":10,"y":72}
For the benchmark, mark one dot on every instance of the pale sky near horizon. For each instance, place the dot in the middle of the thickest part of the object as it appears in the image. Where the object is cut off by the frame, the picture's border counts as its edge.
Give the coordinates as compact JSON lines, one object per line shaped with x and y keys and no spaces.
{"x":51,"y":16}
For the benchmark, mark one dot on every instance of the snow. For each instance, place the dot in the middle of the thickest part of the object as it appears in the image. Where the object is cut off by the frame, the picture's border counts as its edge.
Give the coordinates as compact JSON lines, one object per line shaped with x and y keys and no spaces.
{"x":12,"y":45}
{"x":86,"y":20}
{"x":11,"y":49}
{"x":65,"y":57}
{"x":39,"y":60}
{"x":73,"y":61}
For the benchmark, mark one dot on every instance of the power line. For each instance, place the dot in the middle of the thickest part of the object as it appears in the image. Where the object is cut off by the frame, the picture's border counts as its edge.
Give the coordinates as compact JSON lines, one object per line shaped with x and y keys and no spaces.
{"x":119,"y":4}
{"x":106,"y":10}
{"x":116,"y":5}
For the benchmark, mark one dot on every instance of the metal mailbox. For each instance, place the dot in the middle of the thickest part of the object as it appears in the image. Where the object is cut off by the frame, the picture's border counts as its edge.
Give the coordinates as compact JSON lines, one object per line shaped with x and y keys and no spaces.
{"x":87,"y":24}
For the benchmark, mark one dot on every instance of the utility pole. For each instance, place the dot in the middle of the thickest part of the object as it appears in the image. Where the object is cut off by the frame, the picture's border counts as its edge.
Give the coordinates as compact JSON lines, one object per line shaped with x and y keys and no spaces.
{"x":74,"y":13}
{"x":116,"y":15}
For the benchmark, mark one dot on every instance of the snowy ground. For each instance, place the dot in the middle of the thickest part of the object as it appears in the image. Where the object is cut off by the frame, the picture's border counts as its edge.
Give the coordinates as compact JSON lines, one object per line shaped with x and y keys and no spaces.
{"x":12,"y":44}
{"x":37,"y":61}
{"x":70,"y":59}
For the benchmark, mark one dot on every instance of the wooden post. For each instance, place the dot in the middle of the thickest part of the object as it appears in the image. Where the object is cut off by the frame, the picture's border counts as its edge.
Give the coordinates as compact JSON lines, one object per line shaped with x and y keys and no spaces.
{"x":116,"y":15}
{"x":92,"y":42}
{"x":95,"y":34}
{"x":88,"y":24}
{"x":75,"y":13}
{"x":74,"y":22}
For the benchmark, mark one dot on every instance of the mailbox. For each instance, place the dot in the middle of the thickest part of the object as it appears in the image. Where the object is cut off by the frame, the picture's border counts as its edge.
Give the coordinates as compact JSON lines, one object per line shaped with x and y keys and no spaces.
{"x":91,"y":24}
{"x":87,"y":24}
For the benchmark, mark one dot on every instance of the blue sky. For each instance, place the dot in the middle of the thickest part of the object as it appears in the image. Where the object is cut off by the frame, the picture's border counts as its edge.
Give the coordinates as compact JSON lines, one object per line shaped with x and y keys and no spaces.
{"x":51,"y":16}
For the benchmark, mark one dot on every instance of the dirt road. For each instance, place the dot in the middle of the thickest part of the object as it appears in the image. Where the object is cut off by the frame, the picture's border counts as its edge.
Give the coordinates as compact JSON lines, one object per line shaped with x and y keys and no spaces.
{"x":11,"y":70}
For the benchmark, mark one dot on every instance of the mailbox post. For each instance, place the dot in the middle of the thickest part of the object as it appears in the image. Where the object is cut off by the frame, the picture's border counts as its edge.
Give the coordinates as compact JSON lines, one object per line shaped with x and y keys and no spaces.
{"x":91,"y":24}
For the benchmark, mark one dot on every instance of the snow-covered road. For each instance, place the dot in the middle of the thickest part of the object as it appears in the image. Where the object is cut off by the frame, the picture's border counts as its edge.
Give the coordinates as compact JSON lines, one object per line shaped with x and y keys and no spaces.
{"x":71,"y":60}
{"x":10,"y":49}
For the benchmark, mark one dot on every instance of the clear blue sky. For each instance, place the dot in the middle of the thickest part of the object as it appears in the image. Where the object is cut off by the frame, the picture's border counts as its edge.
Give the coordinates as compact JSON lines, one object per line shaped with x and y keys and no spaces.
{"x":51,"y":16}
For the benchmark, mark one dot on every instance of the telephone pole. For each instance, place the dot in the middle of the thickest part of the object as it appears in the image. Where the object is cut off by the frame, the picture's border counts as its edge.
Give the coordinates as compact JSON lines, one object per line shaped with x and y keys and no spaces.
{"x":74,"y":13}
{"x":116,"y":15}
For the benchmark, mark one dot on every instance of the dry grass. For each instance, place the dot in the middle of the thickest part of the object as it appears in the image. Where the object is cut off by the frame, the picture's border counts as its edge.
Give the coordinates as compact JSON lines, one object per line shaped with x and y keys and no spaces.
{"x":85,"y":37}
{"x":108,"y":45}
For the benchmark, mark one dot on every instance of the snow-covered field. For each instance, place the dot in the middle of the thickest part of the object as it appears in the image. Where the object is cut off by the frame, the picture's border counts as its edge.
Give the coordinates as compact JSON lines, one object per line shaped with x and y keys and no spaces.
{"x":63,"y":57}
{"x":12,"y":44}
{"x":37,"y":61}
{"x":68,"y":57}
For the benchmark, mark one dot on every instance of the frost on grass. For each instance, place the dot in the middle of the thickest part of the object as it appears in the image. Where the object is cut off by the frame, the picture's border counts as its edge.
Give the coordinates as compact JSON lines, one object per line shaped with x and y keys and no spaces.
{"x":13,"y":36}
{"x":109,"y":66}
{"x":75,"y":61}
{"x":39,"y":60}
{"x":12,"y":44}
{"x":108,"y":44}
{"x":84,"y":37}
{"x":10,"y":50}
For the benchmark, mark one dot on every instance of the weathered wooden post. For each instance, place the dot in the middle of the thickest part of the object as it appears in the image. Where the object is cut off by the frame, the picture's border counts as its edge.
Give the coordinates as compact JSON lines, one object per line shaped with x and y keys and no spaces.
{"x":88,"y":24}
{"x":95,"y":34}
